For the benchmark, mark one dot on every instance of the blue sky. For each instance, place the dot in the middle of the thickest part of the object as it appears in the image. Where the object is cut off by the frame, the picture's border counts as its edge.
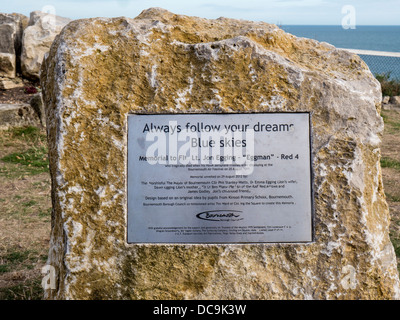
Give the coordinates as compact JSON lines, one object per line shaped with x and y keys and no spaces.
{"x":285,"y":12}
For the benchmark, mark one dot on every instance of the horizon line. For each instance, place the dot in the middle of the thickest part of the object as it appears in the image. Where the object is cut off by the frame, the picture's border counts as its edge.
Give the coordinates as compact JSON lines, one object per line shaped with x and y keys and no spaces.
{"x":279,"y":23}
{"x":339,"y":25}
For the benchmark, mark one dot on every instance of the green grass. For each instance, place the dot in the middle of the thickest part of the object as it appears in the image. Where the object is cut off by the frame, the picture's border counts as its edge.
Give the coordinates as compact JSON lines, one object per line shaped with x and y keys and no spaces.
{"x":392,"y":126}
{"x":35,"y":157}
{"x":29,"y":203}
{"x":32,"y":157}
{"x":30,"y":290}
{"x":396,"y":245}
{"x":30,"y":162}
{"x":29,"y":210}
{"x":4,"y":268}
{"x":16,"y":259}
{"x":390,"y":163}
{"x":45,"y":214}
{"x":392,"y":197}
{"x":28,"y":133}
{"x":395,"y":126}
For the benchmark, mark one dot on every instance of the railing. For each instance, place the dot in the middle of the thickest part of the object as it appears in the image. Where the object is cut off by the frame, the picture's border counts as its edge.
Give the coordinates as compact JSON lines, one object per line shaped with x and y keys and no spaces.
{"x":380,"y":62}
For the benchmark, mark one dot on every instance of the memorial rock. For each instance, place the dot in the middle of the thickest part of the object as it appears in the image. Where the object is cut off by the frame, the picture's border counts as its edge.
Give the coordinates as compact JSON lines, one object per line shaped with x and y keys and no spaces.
{"x":99,"y":71}
{"x":37,"y":39}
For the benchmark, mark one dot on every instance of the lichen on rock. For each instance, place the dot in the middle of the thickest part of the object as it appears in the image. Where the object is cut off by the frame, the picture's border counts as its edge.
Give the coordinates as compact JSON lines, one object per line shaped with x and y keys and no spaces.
{"x":100,"y":70}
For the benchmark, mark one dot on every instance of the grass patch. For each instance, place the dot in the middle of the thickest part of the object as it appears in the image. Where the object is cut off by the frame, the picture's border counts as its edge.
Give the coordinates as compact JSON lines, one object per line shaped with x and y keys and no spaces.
{"x":385,"y":118}
{"x":17,"y":256}
{"x":19,"y":172}
{"x":396,"y":245}
{"x":4,"y":268}
{"x":392,"y":198}
{"x":394,"y":126}
{"x":25,"y":210}
{"x":390,"y":163}
{"x":34,"y":157}
{"x":392,"y":122}
{"x":28,"y":133}
{"x":30,"y":162}
{"x":27,"y":152}
{"x":28,"y":287}
{"x":29,"y":290}
{"x":45,"y":214}
{"x":15,"y":259}
{"x":29,"y":203}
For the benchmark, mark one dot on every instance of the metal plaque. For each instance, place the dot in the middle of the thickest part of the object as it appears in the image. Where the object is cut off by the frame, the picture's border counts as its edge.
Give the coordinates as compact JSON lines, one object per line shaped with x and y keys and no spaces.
{"x":219,"y":178}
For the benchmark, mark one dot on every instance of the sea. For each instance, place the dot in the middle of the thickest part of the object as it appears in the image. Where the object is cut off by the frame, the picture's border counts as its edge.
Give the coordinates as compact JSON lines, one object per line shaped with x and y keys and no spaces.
{"x":375,"y":38}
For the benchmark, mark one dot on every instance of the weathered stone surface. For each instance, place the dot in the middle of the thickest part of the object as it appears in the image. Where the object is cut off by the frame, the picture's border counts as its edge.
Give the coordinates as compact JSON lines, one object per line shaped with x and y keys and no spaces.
{"x":36,"y":103}
{"x":385,"y":99}
{"x":99,"y":70}
{"x":37,"y":39}
{"x":11,"y":29}
{"x":395,"y":100}
{"x":17,"y":115}
{"x":7,"y":65}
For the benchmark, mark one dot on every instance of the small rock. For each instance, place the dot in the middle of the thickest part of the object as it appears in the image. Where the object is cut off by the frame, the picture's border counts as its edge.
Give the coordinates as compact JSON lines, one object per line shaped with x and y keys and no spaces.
{"x":17,"y":115}
{"x":395,"y":100}
{"x":7,"y":64}
{"x":385,"y":99}
{"x":6,"y":84}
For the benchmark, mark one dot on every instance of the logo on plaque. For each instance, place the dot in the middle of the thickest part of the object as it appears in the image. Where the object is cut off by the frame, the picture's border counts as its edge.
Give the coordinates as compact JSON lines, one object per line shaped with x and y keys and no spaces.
{"x":220,"y":215}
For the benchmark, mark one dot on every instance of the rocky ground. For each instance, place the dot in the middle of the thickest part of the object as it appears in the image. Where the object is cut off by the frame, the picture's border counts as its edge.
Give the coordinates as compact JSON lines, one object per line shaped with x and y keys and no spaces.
{"x":19,"y":95}
{"x":25,"y":202}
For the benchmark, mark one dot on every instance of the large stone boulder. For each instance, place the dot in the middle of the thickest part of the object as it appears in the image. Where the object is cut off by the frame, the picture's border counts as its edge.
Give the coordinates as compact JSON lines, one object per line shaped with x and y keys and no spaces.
{"x":100,"y":70}
{"x":37,"y":39}
{"x":11,"y":30}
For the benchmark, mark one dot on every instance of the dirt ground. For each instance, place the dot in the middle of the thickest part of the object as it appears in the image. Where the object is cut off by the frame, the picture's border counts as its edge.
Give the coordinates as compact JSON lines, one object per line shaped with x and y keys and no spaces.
{"x":25,"y":206}
{"x":19,"y":95}
{"x":390,"y":150}
{"x":25,"y":202}
{"x":25,"y":212}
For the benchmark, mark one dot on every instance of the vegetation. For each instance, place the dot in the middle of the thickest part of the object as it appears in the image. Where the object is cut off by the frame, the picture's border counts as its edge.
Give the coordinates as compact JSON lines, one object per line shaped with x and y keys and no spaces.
{"x":390,"y":163}
{"x":25,"y":210}
{"x":31,"y":158}
{"x":35,"y":159}
{"x":28,"y":290}
{"x":390,"y":87}
{"x":16,"y":259}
